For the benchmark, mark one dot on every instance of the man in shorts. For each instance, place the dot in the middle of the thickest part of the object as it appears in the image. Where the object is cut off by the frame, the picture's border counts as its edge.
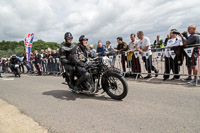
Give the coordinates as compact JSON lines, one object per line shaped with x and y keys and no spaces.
{"x":191,"y":63}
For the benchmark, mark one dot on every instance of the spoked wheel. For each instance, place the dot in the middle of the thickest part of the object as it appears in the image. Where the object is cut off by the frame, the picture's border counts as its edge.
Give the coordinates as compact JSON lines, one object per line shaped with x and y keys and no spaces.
{"x":116,"y":86}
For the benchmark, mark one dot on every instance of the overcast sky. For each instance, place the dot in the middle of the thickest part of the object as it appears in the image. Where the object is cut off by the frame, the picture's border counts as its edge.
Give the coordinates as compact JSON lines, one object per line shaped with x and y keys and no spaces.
{"x":97,"y":19}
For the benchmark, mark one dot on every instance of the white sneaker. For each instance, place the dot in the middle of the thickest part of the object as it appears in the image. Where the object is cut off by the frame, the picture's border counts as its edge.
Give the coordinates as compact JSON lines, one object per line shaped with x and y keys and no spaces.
{"x":187,"y":79}
{"x":192,"y":82}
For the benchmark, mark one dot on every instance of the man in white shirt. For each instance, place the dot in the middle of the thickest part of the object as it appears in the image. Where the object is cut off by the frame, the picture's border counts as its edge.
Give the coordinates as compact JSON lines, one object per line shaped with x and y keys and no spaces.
{"x":133,"y":44}
{"x":145,"y":50}
{"x":133,"y":62}
{"x":169,"y":62}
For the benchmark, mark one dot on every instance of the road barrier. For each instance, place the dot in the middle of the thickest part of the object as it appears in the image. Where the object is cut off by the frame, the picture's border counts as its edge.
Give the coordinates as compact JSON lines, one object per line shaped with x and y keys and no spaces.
{"x":135,"y":63}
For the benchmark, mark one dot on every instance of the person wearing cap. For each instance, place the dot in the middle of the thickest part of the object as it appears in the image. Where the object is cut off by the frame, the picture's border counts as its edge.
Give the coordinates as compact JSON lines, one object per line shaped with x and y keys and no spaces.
{"x":170,"y":64}
{"x":92,"y":50}
{"x":122,"y":47}
{"x":110,"y":52}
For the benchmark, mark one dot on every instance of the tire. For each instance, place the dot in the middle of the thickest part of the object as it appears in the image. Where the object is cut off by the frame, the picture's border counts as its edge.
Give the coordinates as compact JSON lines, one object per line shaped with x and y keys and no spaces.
{"x":108,"y":89}
{"x":18,"y":72}
{"x":115,"y":70}
{"x":71,"y":85}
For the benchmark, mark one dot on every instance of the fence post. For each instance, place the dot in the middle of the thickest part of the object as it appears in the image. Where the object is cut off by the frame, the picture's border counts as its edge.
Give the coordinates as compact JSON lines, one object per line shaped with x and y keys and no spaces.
{"x":197,"y":76}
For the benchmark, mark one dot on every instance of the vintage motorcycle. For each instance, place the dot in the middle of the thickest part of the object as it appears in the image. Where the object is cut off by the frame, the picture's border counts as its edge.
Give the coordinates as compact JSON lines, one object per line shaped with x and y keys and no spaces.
{"x":16,"y":70}
{"x":101,"y":76}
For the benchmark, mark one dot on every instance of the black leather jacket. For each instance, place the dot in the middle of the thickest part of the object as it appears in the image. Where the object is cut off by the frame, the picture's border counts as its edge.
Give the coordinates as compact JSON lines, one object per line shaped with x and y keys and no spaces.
{"x":83,"y":53}
{"x":14,"y":61}
{"x":69,"y":56}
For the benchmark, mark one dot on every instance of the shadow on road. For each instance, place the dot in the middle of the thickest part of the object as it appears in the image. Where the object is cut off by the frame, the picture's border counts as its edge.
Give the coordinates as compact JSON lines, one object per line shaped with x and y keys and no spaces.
{"x":10,"y":76}
{"x":68,"y":95}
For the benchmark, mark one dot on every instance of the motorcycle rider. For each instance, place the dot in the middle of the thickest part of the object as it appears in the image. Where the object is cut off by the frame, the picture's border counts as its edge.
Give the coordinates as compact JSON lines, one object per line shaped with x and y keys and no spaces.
{"x":70,"y":61}
{"x":14,"y":60}
{"x":83,"y":51}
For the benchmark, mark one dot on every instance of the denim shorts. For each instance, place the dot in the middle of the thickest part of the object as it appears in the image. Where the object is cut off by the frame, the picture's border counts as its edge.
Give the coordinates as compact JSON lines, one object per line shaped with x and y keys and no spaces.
{"x":190,"y":62}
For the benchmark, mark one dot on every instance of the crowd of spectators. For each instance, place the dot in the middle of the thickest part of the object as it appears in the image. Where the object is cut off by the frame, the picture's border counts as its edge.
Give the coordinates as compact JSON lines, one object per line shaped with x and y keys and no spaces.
{"x":48,"y":60}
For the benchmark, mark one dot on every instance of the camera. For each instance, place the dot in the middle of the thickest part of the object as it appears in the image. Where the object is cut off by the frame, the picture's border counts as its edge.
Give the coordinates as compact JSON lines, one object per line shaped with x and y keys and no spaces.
{"x":185,"y":34}
{"x":175,"y":32}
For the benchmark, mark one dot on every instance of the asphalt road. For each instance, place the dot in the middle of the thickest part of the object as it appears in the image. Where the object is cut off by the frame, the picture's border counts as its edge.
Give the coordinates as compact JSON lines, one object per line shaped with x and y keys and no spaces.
{"x":148,"y":108}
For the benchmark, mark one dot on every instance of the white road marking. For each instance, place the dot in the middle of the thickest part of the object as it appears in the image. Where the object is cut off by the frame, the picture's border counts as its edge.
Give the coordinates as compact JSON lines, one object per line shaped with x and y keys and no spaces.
{"x":6,"y":78}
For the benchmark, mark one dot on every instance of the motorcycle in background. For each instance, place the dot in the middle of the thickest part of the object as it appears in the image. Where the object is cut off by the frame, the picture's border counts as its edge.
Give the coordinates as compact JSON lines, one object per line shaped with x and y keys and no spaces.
{"x":16,"y":70}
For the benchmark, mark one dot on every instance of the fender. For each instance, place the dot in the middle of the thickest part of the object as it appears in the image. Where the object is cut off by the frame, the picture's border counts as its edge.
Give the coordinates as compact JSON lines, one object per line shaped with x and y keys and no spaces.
{"x":113,"y":70}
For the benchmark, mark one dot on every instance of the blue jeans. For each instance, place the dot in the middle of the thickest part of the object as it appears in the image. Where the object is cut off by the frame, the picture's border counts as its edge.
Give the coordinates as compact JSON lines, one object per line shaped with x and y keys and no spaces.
{"x":148,"y":64}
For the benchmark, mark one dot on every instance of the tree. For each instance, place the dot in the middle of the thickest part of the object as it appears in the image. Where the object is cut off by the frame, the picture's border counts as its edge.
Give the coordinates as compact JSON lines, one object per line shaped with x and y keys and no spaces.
{"x":19,"y":50}
{"x":3,"y":54}
{"x":7,"y":48}
{"x":9,"y":53}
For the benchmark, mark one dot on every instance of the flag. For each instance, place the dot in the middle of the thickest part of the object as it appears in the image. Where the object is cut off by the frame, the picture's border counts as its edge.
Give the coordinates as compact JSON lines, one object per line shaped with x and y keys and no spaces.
{"x":28,"y":42}
{"x":146,"y":54}
{"x":189,"y":51}
{"x":136,"y":54}
{"x":172,"y":53}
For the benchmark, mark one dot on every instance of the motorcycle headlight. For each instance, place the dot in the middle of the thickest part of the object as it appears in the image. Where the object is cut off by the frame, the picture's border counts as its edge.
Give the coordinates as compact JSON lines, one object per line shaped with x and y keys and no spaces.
{"x":106,"y":60}
{"x":16,"y":65}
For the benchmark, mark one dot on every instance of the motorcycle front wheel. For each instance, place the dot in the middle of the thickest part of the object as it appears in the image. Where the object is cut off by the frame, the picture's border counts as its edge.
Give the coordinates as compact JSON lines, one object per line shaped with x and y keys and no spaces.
{"x":115,"y":86}
{"x":18,"y":72}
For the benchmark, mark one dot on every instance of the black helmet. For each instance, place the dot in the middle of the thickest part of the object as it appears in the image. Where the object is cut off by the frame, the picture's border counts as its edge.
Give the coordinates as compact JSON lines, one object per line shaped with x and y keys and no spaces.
{"x":13,"y":55}
{"x":82,"y":37}
{"x":68,"y":36}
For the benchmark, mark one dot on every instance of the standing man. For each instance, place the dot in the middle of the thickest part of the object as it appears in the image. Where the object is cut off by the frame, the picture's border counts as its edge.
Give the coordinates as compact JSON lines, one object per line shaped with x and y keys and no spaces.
{"x":135,"y":62}
{"x":166,"y":39}
{"x":144,"y":46}
{"x":38,"y":62}
{"x":43,"y":58}
{"x":110,"y":52}
{"x":169,"y":62}
{"x":191,"y":63}
{"x":101,"y":49}
{"x":158,"y":43}
{"x":121,"y":48}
